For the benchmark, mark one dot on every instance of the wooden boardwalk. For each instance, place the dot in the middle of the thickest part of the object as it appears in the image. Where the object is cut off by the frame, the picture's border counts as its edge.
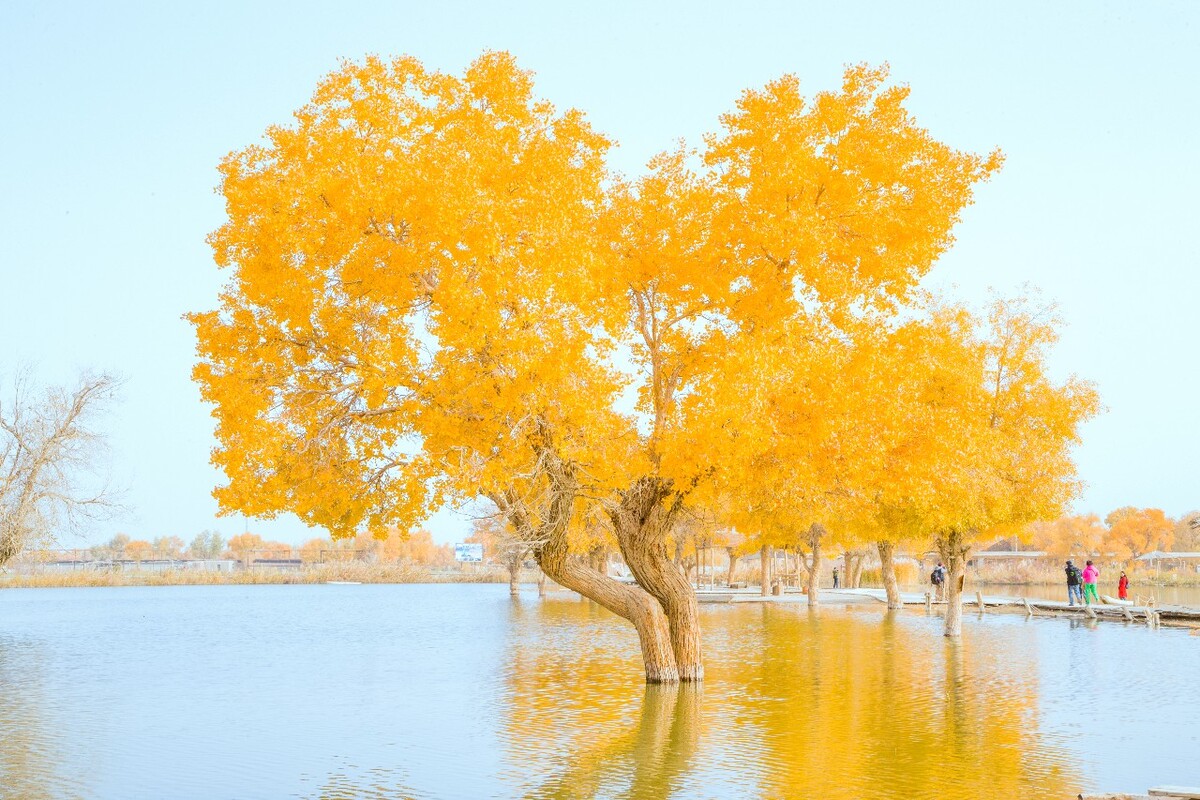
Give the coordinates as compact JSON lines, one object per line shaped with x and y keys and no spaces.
{"x":1152,"y":615}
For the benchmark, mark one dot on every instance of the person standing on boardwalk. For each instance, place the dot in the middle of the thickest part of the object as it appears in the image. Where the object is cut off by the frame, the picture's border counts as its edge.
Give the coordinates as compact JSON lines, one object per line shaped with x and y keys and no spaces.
{"x":835,"y":577}
{"x":1090,"y":573}
{"x":1123,"y":586}
{"x":1074,"y":581}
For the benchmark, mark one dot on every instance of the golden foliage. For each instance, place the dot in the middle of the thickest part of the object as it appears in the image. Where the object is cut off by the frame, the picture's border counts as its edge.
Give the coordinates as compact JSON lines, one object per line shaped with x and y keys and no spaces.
{"x":435,"y":285}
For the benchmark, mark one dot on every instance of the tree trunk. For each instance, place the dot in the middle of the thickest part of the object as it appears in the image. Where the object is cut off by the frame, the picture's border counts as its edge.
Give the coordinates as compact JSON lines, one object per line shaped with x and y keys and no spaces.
{"x":542,"y":584}
{"x":764,"y":556}
{"x":953,"y":549}
{"x":549,"y":538}
{"x":814,"y":572}
{"x":628,"y":602}
{"x":733,"y":559}
{"x":514,"y":581}
{"x":887,"y":569}
{"x":642,"y":521}
{"x":856,"y":579}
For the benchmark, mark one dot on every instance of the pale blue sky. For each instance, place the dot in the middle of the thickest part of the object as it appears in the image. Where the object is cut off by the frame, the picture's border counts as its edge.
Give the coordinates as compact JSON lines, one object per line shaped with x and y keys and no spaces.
{"x":115,"y":116}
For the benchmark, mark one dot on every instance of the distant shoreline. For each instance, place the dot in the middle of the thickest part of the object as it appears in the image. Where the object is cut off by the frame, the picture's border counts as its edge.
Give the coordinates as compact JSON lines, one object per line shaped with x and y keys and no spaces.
{"x":323,"y":573}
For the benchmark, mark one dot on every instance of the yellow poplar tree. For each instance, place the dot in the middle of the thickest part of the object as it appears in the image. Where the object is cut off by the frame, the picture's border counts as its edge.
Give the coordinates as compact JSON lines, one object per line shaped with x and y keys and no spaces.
{"x":415,"y":313}
{"x":802,"y":214}
{"x":431,"y":279}
{"x":1004,"y":431}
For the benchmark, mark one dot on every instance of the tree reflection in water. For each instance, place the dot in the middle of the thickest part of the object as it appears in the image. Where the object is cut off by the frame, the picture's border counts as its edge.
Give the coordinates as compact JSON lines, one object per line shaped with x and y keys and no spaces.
{"x":29,"y":753}
{"x":799,"y":703}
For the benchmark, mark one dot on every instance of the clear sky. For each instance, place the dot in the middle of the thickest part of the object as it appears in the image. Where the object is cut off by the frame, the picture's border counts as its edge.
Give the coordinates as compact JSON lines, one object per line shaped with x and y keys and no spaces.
{"x":113,"y":117}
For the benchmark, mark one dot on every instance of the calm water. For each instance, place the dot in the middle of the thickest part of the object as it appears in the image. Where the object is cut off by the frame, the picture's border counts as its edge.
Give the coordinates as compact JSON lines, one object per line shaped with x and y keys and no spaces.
{"x":458,"y":692}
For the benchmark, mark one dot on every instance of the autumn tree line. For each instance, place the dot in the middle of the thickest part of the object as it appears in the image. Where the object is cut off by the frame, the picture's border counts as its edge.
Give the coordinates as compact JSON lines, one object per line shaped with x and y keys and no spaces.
{"x":440,"y":293}
{"x":1123,"y":536}
{"x":414,"y":548}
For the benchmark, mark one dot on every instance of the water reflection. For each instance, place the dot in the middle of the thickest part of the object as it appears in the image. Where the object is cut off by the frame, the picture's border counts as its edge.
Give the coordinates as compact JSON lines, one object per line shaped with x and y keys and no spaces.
{"x":375,"y":784}
{"x":406,"y":692}
{"x":803,"y":703}
{"x":29,"y":746}
{"x":645,"y":760}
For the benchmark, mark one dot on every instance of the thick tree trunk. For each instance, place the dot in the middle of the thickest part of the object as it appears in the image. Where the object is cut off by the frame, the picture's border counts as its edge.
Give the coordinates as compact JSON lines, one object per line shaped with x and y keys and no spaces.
{"x":887,"y":568}
{"x":953,"y":548}
{"x":733,"y":559}
{"x":642,"y":521}
{"x":629,"y":602}
{"x":764,"y":561}
{"x":514,"y":579}
{"x":549,"y":538}
{"x":542,"y":584}
{"x":815,"y":534}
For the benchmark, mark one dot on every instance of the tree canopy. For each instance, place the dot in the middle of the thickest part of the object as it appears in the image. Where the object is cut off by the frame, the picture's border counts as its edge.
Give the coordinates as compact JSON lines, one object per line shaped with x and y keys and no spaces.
{"x":439,"y":291}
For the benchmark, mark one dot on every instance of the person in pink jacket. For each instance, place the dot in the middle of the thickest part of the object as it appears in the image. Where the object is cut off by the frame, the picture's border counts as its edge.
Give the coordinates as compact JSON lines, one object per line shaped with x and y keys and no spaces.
{"x":1090,"y":573}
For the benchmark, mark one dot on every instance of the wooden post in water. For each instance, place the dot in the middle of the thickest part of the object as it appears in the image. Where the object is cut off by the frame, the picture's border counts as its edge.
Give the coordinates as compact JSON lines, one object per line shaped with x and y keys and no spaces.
{"x":1028,"y":608}
{"x":1089,"y":612}
{"x":928,"y":602}
{"x":1127,"y":613}
{"x":979,"y":599}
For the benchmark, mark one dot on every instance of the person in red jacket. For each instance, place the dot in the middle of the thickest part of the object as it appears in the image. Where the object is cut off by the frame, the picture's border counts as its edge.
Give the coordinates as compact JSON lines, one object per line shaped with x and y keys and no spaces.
{"x":1123,"y":587}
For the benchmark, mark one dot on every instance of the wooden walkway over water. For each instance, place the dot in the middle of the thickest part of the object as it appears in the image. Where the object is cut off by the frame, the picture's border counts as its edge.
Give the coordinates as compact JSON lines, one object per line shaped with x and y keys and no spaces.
{"x":1147,"y":613}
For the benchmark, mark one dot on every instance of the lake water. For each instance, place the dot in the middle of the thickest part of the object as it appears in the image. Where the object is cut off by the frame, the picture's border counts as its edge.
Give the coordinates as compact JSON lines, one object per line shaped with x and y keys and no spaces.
{"x":456,"y":691}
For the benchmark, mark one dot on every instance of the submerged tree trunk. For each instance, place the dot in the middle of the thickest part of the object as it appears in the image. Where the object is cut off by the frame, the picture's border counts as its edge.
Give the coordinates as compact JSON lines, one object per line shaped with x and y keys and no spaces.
{"x":733,"y":559}
{"x":953,"y":548}
{"x":629,"y":602}
{"x":549,"y":540}
{"x":815,"y":533}
{"x":541,"y":583}
{"x":764,"y":561}
{"x":514,"y":578}
{"x":642,"y":520}
{"x":887,"y":569}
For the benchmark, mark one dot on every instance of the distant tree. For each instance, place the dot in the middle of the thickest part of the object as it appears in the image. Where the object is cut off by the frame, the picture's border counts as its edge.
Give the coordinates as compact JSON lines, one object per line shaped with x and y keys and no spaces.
{"x":242,"y":546}
{"x":115,"y":547}
{"x":49,"y":455}
{"x":417,"y":548}
{"x":501,"y":543}
{"x":1070,"y":537}
{"x":207,"y":544}
{"x":168,"y":547}
{"x":1133,"y":532}
{"x":277,"y":550}
{"x":139,"y":550}
{"x":313,"y":551}
{"x":1187,"y":533}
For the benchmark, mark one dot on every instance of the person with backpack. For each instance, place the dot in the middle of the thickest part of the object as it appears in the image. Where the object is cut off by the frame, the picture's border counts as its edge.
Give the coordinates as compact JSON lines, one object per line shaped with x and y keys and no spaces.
{"x":1090,"y":573}
{"x":1074,"y":583}
{"x":938,"y":579}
